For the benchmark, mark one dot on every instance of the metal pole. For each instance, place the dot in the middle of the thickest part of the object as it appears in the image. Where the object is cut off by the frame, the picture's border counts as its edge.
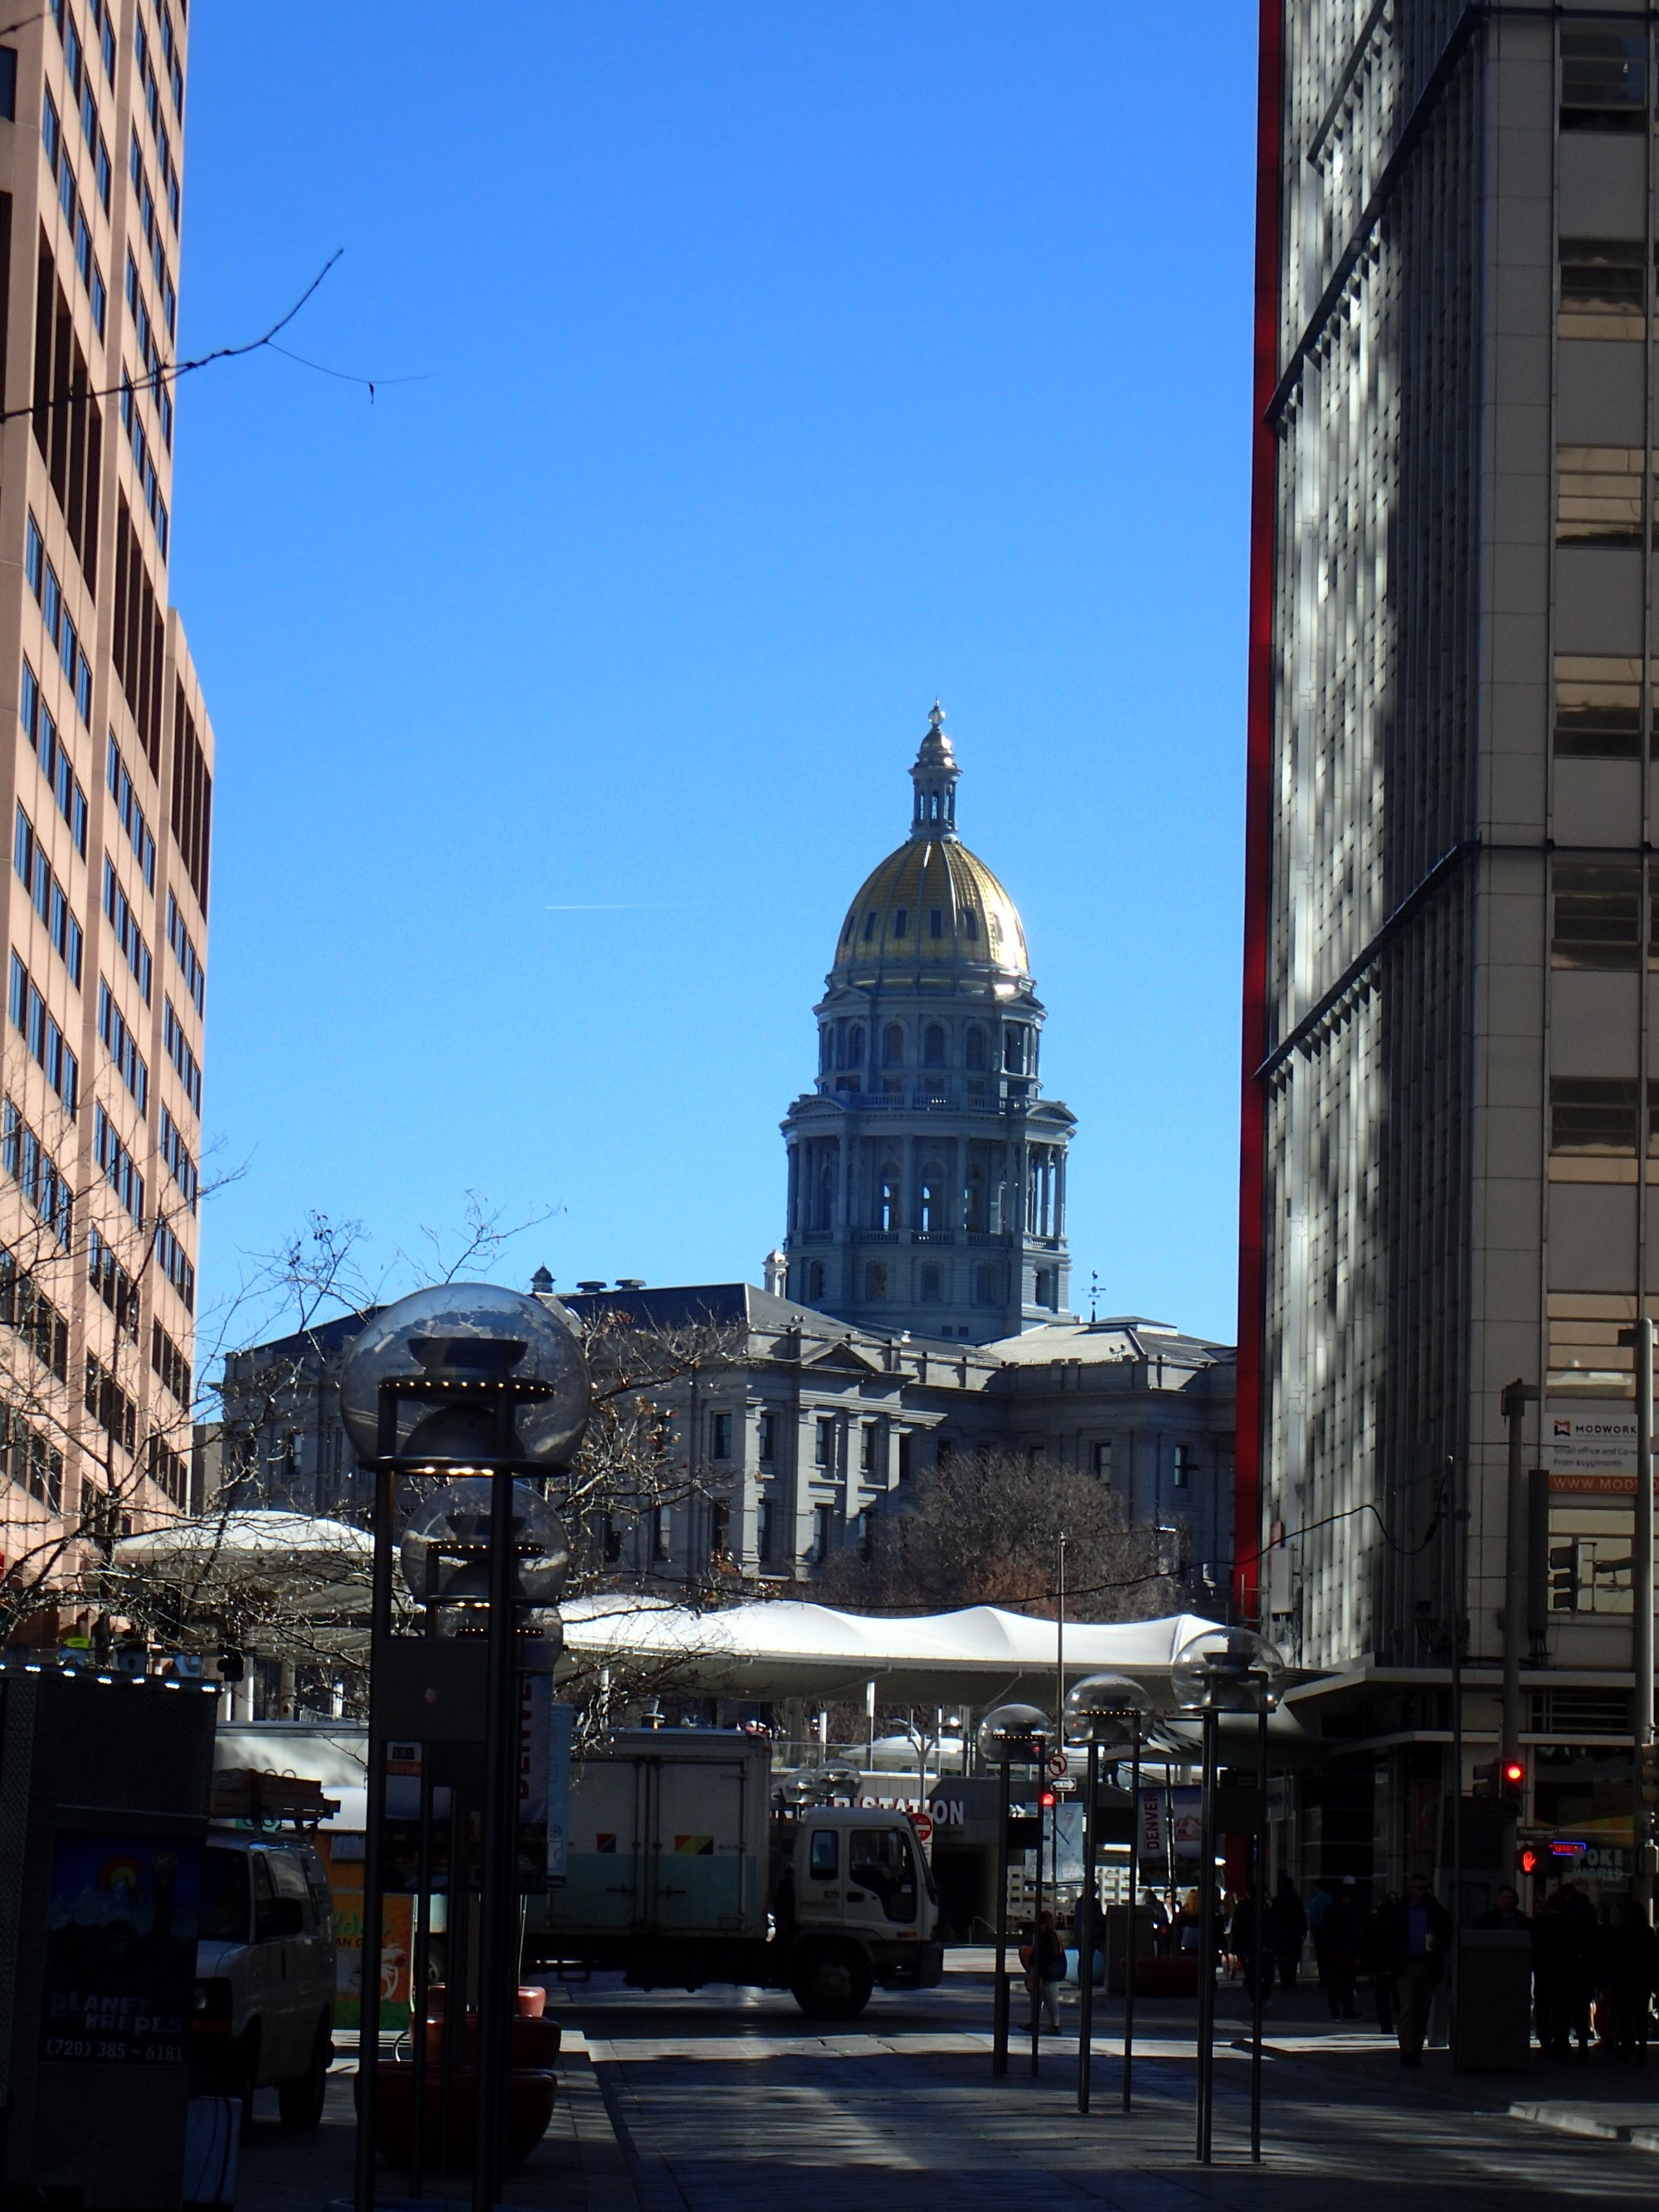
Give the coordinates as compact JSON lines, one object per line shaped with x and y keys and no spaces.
{"x":420,"y":1969}
{"x":1514,"y":1405}
{"x":1036,"y":1915}
{"x":1456,"y":1898}
{"x":1085,"y":1940}
{"x":1642,"y":1619}
{"x":458,"y":1915}
{"x":1260,"y":1924}
{"x":1206,"y":1940}
{"x":999,"y":1997}
{"x":1134,"y":1886}
{"x":496,"y":1998}
{"x":369,"y":2002}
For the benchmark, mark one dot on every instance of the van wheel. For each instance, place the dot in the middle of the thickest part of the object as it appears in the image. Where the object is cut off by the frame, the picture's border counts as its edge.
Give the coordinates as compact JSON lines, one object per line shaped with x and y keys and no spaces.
{"x":300,"y":2102}
{"x":831,"y":1981}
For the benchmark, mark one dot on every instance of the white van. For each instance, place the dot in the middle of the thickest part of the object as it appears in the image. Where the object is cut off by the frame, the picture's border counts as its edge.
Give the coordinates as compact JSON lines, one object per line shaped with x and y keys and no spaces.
{"x":265,"y":1974}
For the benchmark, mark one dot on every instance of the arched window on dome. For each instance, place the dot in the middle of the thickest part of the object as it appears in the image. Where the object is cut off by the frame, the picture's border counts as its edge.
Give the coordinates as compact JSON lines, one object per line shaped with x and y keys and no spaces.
{"x":892,"y":1045}
{"x":976,"y":1052}
{"x":846,"y":933}
{"x":902,"y":923}
{"x":887,"y":1199}
{"x":932,"y":1045}
{"x":869,"y":926}
{"x":936,"y":921}
{"x":969,"y":921}
{"x":930,"y":1209}
{"x":973,"y":1198}
{"x":855,"y":1045}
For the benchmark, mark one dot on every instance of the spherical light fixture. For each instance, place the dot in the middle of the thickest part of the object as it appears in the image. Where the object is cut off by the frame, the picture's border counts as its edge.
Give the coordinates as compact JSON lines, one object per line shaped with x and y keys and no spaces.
{"x":1022,"y":1734}
{"x":445,"y":1556}
{"x":466,"y":1349}
{"x":1107,"y":1710}
{"x":1227,"y":1670}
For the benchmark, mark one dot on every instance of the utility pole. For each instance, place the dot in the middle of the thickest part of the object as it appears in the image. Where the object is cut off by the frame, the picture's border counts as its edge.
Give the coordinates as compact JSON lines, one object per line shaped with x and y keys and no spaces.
{"x":1641,"y":1622}
{"x":1514,"y":1403}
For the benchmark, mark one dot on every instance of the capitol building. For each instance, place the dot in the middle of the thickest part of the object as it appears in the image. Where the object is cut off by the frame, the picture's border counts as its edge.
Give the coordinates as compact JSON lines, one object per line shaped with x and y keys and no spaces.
{"x":919,"y":1302}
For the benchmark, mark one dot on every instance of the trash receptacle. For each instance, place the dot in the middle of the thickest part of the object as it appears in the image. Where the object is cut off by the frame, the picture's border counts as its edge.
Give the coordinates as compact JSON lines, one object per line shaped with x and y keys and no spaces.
{"x":1491,"y":2007}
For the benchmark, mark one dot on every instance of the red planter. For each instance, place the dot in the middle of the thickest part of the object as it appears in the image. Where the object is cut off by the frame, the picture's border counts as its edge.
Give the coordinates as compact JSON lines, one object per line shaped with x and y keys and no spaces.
{"x":531,"y":2094}
{"x":1166,"y":1978}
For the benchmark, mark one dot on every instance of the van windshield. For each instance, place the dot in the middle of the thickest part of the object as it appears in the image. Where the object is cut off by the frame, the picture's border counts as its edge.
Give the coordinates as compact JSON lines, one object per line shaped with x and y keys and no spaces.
{"x":225,"y":1902}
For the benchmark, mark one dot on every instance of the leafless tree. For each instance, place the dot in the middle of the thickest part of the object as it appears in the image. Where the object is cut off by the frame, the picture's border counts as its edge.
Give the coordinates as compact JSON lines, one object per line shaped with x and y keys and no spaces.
{"x":983,"y":1528}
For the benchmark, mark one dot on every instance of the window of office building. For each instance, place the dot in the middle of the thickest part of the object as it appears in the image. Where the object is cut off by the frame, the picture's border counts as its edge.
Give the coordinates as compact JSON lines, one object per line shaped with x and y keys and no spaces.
{"x":820,"y":1533}
{"x":1102,"y":1462}
{"x":1604,"y":77}
{"x":824,"y":1451}
{"x":719,"y":1435}
{"x":1599,"y":492}
{"x":1596,"y":915}
{"x":1589,"y":1115}
{"x":763,"y":1531}
{"x":1598,"y":705}
{"x":1603,"y":287}
{"x":768,"y":1444}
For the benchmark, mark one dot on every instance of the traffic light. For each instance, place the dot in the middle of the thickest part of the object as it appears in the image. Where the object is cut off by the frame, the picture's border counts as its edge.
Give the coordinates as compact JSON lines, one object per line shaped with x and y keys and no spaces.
{"x":1512,"y":1786}
{"x":1564,"y":1577}
{"x":1047,"y":1801}
{"x":1529,"y":1860}
{"x":1485,"y":1780}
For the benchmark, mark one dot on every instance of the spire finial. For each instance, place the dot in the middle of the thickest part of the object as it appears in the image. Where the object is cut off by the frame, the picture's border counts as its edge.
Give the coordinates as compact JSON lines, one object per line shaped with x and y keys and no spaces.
{"x":935,"y":779}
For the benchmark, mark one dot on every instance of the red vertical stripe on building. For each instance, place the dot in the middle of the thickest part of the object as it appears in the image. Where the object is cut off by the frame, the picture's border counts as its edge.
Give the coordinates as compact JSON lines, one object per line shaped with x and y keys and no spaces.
{"x":1247,"y":1484}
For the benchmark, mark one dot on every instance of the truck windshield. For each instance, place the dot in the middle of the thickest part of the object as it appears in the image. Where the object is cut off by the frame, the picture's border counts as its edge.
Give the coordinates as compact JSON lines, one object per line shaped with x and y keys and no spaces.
{"x":224,"y":1900}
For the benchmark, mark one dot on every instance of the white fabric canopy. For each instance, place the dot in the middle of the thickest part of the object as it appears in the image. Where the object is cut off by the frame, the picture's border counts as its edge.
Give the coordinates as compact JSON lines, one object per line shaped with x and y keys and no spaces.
{"x":782,"y":1648}
{"x":257,"y":1541}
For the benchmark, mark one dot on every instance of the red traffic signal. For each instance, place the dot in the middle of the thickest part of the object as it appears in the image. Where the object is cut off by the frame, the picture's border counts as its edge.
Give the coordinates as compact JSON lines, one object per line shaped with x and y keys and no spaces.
{"x":1528,"y":1860}
{"x":1513,"y":1774}
{"x":1047,"y":1801}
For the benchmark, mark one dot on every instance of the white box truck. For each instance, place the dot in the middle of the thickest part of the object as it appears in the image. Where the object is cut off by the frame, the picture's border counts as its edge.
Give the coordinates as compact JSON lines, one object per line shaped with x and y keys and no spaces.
{"x":680,"y":1872}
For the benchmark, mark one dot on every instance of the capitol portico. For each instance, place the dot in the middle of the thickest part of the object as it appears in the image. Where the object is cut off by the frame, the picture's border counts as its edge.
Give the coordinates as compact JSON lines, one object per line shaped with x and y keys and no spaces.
{"x":927,"y":1170}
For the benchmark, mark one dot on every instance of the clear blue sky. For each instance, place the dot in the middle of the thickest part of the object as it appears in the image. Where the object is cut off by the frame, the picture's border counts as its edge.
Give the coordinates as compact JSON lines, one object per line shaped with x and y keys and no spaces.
{"x":786,"y":365}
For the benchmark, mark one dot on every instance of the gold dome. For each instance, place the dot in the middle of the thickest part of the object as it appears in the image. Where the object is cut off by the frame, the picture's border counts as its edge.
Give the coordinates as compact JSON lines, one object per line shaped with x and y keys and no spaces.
{"x":933,"y":903}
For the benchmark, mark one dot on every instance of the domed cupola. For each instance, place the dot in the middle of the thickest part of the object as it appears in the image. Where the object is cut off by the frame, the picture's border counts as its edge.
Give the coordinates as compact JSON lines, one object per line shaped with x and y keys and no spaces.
{"x":928,"y":1127}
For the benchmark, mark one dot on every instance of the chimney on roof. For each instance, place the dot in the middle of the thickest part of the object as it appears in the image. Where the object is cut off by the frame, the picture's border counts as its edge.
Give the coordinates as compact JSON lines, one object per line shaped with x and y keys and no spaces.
{"x":541,"y":1283}
{"x":590,"y":1287}
{"x":630,"y":1282}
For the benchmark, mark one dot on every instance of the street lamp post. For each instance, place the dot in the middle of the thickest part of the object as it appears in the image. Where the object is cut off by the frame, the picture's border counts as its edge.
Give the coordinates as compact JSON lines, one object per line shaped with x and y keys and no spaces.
{"x":1225,"y":1670}
{"x":1012,"y":1735}
{"x":472,"y":1388}
{"x":1104,"y":1711}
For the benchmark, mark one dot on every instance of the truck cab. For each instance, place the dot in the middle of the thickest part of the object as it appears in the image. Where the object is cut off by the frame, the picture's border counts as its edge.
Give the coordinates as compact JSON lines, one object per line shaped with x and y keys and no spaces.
{"x":855,"y":1908}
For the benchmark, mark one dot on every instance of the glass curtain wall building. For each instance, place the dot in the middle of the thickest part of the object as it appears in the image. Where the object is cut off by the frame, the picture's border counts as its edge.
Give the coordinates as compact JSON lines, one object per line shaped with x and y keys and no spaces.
{"x":110,"y":795}
{"x":1449,"y":1131}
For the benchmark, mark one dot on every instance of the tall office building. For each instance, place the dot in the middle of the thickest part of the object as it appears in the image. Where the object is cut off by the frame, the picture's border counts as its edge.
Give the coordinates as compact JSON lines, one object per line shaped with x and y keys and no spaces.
{"x":1450,"y":1063}
{"x":110,"y":786}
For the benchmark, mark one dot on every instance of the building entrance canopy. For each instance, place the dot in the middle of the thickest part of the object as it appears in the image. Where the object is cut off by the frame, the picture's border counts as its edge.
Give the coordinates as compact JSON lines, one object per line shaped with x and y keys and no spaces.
{"x":787,"y":1649}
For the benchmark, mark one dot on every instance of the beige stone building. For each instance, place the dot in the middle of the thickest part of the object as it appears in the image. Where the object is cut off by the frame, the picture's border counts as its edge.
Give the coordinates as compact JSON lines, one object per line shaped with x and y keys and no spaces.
{"x":108,"y":757}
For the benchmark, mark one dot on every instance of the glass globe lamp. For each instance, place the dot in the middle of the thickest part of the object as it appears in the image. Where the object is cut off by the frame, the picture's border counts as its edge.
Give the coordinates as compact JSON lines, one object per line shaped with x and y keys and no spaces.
{"x":465,"y":1350}
{"x":444,"y":1555}
{"x":1227,"y":1670}
{"x":1108,"y":1709}
{"x":1020,"y":1733}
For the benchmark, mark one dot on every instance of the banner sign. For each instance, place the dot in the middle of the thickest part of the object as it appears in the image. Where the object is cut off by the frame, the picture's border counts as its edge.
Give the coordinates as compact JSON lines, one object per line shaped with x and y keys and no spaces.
{"x":120,"y":1976}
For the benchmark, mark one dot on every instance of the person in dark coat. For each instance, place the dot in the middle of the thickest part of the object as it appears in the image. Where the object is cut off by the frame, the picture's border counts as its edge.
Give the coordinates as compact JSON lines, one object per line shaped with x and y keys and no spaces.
{"x":1376,"y":1959}
{"x":1287,"y":1930}
{"x":1507,"y":1914}
{"x":1626,"y":1958}
{"x":1414,"y":1939}
{"x":1343,"y":1932}
{"x":1242,"y":1938}
{"x":1558,"y":1974}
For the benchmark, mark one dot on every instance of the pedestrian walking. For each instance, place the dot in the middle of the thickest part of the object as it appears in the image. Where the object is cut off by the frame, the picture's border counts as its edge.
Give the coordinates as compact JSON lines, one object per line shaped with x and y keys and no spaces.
{"x":1246,"y":1931}
{"x":1045,"y":1970}
{"x":1344,"y":1928}
{"x":1415,"y":1938}
{"x":1559,"y":1971}
{"x":1319,"y":1906}
{"x":1626,"y":1958}
{"x":1287,"y":1930}
{"x":1385,"y":1986}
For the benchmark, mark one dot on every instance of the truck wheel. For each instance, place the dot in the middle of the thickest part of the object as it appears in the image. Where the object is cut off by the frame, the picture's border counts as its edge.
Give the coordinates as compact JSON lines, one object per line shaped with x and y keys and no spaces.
{"x":831,"y":1982}
{"x":300,"y":2102}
